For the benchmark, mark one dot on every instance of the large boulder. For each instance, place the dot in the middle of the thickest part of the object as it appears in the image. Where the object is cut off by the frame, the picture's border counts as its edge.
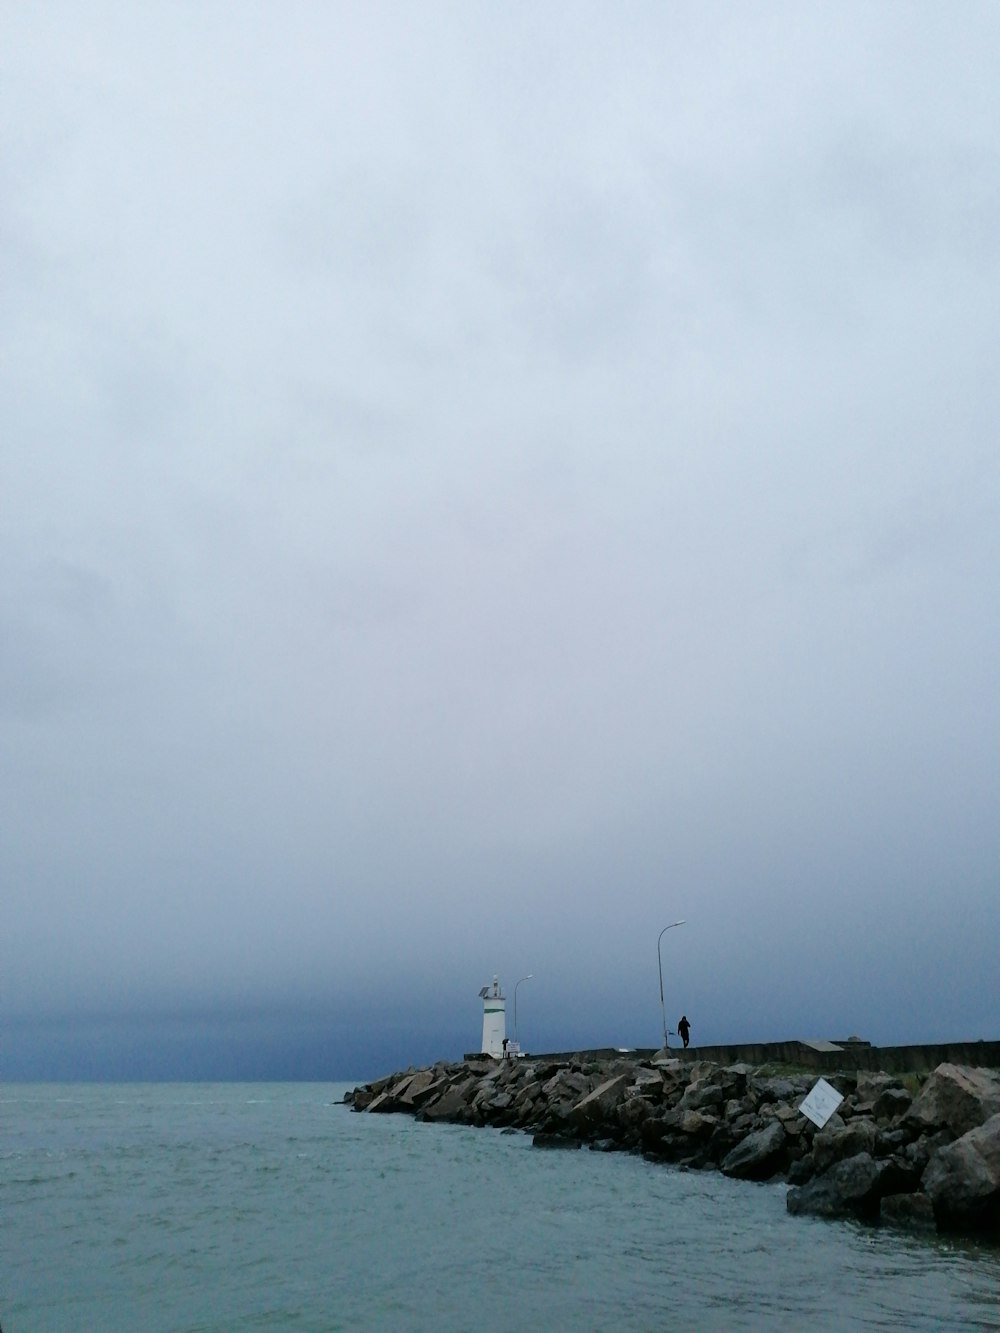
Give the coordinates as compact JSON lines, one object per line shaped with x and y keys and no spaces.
{"x":633,"y":1111}
{"x":653,"y":1132}
{"x":776,"y":1090}
{"x":832,"y":1144}
{"x":759,"y":1155}
{"x":561,"y":1093}
{"x":700,"y":1069}
{"x":452,"y":1104}
{"x":908,"y":1212}
{"x":601,"y":1104}
{"x":645,"y":1083}
{"x":956,"y":1097}
{"x":696,"y":1124}
{"x":548,"y":1140}
{"x":734,"y":1080}
{"x":566,"y":1083}
{"x":890,"y":1103}
{"x":850,"y":1188}
{"x":871,"y":1084}
{"x":418,"y":1089}
{"x":702,"y":1095}
{"x":962,"y":1180}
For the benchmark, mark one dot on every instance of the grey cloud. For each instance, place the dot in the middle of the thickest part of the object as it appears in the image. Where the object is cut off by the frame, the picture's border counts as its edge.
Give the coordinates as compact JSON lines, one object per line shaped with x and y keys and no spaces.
{"x":478,"y":484}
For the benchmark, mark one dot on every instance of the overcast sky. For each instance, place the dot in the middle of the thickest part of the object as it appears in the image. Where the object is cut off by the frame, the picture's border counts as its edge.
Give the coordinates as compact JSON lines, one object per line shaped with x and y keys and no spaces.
{"x":482,"y":482}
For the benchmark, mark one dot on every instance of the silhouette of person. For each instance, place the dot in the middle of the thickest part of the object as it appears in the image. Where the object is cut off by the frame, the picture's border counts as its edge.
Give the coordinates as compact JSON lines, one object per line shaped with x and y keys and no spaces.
{"x":684,"y":1028}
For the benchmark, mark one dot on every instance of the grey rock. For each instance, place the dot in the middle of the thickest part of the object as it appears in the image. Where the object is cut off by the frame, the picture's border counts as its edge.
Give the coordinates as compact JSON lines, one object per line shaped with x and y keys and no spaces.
{"x":802,"y":1170}
{"x":891,"y":1102}
{"x":956,"y":1097}
{"x":604,"y":1099}
{"x":695,"y":1124}
{"x":908,"y":1212}
{"x":921,"y":1150}
{"x":567,"y":1083}
{"x":700,"y":1095}
{"x":742,"y":1125}
{"x":775,"y":1090}
{"x":831,"y":1145}
{"x":451,"y":1105}
{"x":848,"y":1189}
{"x":962,"y":1180}
{"x":701,"y":1069}
{"x":889,"y":1141}
{"x":734,"y":1080}
{"x":633,"y":1112}
{"x":419,"y":1088}
{"x":758,"y":1156}
{"x":652,"y":1132}
{"x":870,"y":1085}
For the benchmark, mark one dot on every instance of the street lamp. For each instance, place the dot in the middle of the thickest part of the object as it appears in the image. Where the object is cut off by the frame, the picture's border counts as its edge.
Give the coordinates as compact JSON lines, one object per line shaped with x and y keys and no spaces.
{"x":527,"y":978}
{"x":659,"y":959}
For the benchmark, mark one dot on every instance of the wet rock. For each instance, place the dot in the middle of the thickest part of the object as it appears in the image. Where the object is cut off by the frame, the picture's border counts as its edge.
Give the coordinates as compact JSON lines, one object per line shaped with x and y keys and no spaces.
{"x":652,"y":1132}
{"x":802,"y":1170}
{"x":850,"y":1188}
{"x":898,"y":1177}
{"x":547,"y":1140}
{"x":908,"y":1212}
{"x":962,"y":1180}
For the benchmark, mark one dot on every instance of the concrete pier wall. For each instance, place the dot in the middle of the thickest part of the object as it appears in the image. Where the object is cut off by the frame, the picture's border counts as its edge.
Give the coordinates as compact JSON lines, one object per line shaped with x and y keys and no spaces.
{"x":819,"y":1055}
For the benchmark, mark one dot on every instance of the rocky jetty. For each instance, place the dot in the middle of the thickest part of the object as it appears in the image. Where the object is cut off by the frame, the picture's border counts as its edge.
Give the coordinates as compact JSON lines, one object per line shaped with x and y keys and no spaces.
{"x":923,"y":1154}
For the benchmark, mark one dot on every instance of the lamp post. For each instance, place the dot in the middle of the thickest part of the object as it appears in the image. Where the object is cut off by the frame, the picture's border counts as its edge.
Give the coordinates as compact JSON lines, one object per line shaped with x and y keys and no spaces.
{"x":527,"y":978}
{"x":659,"y":959}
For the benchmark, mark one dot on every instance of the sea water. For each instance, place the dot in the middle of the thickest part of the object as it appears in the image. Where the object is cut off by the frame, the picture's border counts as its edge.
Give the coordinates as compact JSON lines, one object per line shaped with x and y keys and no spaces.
{"x":271,"y":1206}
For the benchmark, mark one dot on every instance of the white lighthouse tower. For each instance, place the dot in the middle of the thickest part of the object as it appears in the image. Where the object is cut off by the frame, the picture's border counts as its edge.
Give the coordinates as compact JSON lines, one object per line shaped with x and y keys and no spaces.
{"x":494,"y":1020}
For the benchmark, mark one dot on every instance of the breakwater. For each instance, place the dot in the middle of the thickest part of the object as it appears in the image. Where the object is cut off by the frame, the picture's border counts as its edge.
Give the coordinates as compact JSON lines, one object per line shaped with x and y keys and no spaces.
{"x":920,"y":1152}
{"x":822,"y":1056}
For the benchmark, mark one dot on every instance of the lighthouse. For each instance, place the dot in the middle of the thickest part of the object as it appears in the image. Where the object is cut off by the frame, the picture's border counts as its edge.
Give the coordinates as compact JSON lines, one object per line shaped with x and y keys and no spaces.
{"x":494,"y":1020}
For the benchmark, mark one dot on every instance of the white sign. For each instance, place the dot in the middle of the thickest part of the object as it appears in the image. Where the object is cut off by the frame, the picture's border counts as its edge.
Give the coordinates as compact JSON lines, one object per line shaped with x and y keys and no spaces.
{"x":821,"y":1103}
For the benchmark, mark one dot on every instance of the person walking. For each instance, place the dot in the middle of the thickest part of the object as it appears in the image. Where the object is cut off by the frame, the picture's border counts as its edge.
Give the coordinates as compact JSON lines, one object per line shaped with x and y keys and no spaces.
{"x":684,"y":1029}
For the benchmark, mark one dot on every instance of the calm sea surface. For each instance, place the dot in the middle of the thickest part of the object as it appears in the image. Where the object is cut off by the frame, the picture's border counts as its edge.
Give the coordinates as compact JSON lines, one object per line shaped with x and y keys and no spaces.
{"x":242,"y":1206}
